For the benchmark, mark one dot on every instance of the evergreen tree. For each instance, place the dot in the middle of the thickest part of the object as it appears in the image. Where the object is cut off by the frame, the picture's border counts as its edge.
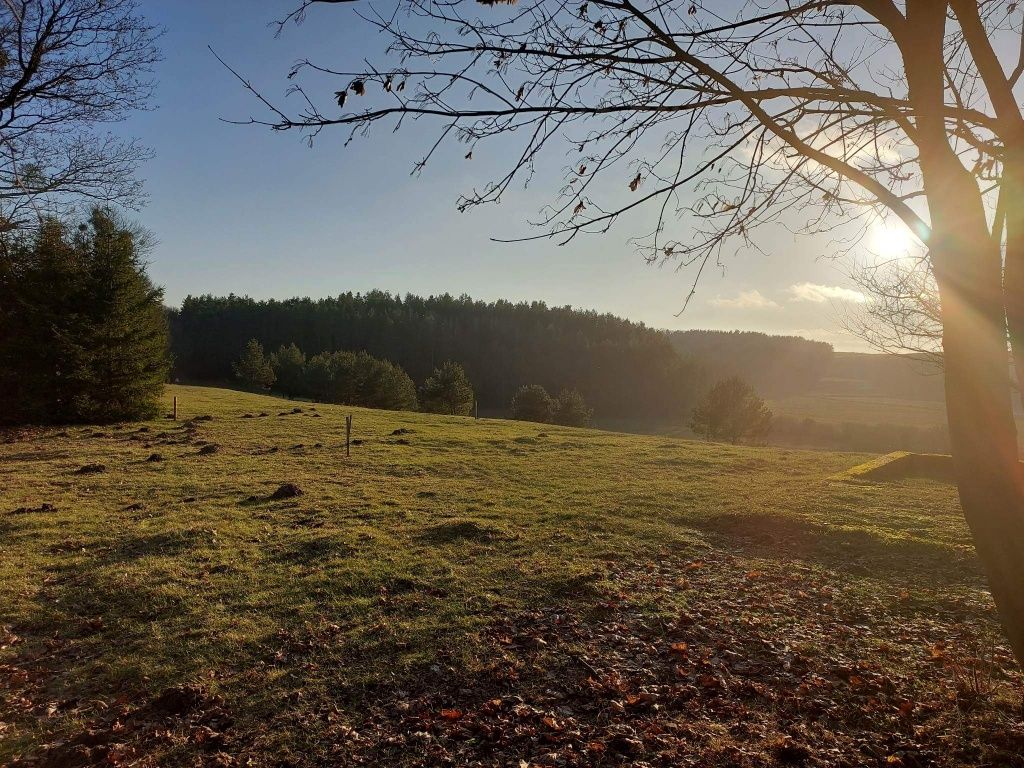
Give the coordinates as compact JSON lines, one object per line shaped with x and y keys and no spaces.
{"x":253,"y":368}
{"x":532,"y":402}
{"x":126,"y":333}
{"x":448,"y":390}
{"x":289,"y":366}
{"x":731,"y":410}
{"x":570,"y":409}
{"x":83,"y":335}
{"x":42,"y":352}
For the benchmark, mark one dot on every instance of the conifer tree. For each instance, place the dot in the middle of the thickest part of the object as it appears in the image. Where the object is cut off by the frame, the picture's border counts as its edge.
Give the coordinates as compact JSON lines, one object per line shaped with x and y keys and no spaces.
{"x":532,"y":402}
{"x":448,"y":390}
{"x":731,"y":409}
{"x":253,"y":368}
{"x":289,"y":364}
{"x":570,"y":409}
{"x":126,"y":329}
{"x":83,"y":335}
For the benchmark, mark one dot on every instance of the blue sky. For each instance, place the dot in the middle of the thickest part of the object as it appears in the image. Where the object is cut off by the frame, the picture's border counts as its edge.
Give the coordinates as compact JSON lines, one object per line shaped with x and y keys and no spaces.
{"x":242,"y":209}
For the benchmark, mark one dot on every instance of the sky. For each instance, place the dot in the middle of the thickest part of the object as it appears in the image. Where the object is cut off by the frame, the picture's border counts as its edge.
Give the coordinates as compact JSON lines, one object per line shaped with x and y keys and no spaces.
{"x":242,"y":209}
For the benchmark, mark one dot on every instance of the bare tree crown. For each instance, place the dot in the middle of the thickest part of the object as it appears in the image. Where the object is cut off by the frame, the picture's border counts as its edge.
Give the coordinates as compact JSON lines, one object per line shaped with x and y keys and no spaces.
{"x":725,"y":123}
{"x":67,"y":68}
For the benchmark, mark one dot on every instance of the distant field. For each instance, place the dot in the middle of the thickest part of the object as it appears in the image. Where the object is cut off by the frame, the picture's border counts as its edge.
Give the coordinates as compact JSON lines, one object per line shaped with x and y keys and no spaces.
{"x":863,"y":409}
{"x":462,"y":592}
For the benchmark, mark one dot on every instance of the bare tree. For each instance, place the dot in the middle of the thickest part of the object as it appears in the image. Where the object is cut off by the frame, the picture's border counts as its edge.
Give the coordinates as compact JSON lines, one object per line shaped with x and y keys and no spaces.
{"x":726,"y":116}
{"x":903,"y":314}
{"x":67,"y":68}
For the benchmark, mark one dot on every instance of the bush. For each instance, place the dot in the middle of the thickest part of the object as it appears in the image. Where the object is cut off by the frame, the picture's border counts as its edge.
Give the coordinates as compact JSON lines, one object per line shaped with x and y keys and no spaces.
{"x":448,"y":390}
{"x":83,"y":335}
{"x":253,"y":369}
{"x":532,"y":402}
{"x":731,"y":410}
{"x":570,"y":409}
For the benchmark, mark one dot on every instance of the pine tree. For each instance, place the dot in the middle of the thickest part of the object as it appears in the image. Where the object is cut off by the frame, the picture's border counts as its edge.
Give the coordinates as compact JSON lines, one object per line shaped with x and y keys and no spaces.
{"x":253,"y":368}
{"x":448,"y":390}
{"x":289,"y":366}
{"x":532,"y":402}
{"x":84,"y":336}
{"x":570,"y":409}
{"x":126,"y":325}
{"x":731,"y":409}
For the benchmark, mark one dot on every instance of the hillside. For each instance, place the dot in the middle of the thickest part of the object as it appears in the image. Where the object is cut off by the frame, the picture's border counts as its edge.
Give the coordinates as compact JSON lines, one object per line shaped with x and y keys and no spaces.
{"x":461,"y":592}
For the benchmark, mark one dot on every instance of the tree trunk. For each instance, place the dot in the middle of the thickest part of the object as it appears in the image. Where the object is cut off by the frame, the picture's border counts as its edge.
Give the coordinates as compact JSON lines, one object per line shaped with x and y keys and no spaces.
{"x":968,"y":268}
{"x":982,"y":430}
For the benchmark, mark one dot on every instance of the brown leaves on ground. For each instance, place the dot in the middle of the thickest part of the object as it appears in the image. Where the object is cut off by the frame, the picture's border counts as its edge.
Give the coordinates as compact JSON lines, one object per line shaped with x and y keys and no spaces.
{"x":712,"y":662}
{"x":772,"y":666}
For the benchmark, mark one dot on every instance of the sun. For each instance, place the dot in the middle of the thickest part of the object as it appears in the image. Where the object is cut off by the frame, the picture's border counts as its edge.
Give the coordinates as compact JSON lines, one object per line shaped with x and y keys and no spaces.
{"x":891,"y":239}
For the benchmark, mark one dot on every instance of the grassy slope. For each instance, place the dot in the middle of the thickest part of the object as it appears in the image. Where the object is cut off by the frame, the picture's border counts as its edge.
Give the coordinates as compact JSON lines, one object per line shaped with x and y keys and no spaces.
{"x":156,"y":573}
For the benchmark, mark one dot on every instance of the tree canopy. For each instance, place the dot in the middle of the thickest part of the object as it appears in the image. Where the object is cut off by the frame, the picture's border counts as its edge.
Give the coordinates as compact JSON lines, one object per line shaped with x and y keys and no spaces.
{"x":68,"y":69}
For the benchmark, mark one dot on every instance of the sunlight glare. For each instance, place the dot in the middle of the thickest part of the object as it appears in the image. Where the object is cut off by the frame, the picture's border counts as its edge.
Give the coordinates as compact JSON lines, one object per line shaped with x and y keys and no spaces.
{"x":891,"y":239}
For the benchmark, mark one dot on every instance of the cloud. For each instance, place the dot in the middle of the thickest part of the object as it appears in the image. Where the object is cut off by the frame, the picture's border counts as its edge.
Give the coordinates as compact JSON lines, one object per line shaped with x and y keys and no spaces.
{"x":745,"y":300}
{"x":819,"y":294}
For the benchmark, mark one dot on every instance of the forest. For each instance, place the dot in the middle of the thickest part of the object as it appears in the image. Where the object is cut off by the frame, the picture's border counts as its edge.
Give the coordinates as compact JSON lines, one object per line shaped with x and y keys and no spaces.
{"x":622,"y":368}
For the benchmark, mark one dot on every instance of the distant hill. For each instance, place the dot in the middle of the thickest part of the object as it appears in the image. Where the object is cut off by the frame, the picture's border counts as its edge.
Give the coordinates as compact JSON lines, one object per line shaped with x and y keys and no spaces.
{"x":785,"y":366}
{"x":776,"y":366}
{"x":907,"y":377}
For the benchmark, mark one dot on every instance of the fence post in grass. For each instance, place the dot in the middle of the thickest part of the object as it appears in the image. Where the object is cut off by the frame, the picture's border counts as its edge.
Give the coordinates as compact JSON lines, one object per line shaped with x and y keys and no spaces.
{"x":476,"y":409}
{"x":348,"y":434}
{"x":175,"y":409}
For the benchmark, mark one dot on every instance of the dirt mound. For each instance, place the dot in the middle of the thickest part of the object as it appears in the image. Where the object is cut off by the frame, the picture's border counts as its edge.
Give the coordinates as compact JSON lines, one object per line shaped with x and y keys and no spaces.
{"x":155,"y":457}
{"x":182,"y":699}
{"x":286,"y":491}
{"x":46,"y":507}
{"x":206,"y":450}
{"x":91,"y":469}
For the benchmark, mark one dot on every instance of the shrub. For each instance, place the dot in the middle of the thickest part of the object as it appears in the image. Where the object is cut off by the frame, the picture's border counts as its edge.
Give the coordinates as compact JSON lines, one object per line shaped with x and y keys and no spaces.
{"x":448,"y":390}
{"x":731,"y":410}
{"x":570,"y":409}
{"x":253,"y":369}
{"x":532,"y":402}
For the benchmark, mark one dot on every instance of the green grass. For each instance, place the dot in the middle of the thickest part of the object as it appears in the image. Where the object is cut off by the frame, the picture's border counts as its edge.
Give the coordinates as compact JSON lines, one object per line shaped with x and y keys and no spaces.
{"x":153,"y":574}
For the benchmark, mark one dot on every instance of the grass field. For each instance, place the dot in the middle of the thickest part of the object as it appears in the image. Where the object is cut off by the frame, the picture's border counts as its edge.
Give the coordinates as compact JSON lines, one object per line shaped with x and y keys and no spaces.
{"x":461,"y":592}
{"x":862,"y":409}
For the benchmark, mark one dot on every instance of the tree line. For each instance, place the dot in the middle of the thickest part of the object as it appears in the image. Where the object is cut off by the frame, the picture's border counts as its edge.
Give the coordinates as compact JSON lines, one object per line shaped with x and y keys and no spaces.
{"x":353,"y":378}
{"x":620,"y":368}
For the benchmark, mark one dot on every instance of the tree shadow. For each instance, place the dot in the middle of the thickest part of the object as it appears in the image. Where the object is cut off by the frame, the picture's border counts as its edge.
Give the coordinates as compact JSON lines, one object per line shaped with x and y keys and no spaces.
{"x":856,"y":552}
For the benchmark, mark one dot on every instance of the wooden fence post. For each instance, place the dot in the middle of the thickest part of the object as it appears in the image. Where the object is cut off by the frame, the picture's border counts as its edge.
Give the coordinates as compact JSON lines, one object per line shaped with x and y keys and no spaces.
{"x":175,"y":412}
{"x":348,"y":434}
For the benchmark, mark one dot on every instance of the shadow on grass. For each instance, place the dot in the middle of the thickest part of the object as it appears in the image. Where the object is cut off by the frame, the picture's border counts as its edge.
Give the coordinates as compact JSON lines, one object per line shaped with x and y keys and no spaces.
{"x":856,"y":552}
{"x":461,"y":531}
{"x":311,"y":551}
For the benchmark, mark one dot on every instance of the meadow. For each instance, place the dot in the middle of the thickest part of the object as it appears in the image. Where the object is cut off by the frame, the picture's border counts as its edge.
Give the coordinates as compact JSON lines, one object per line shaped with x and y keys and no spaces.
{"x":231,"y":589}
